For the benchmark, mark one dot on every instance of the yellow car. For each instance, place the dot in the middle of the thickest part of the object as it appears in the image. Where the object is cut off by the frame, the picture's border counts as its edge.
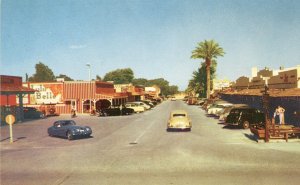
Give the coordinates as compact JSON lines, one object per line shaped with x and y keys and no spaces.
{"x":179,"y":120}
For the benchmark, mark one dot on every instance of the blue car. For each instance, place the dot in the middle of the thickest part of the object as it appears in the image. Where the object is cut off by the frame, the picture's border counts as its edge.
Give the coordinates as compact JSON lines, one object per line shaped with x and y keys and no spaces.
{"x":69,"y":129}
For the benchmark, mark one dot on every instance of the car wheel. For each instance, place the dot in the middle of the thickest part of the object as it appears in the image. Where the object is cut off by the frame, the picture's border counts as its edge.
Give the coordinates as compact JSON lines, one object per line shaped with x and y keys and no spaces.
{"x":246,"y":124}
{"x":69,"y":135}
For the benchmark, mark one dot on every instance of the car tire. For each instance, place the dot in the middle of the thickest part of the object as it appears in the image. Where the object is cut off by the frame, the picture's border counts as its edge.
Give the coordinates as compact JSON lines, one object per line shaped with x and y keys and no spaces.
{"x":246,"y":124}
{"x":69,"y":135}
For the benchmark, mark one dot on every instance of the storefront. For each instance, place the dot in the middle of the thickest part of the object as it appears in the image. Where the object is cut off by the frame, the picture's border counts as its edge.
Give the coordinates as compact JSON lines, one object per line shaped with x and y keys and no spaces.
{"x":12,"y":93}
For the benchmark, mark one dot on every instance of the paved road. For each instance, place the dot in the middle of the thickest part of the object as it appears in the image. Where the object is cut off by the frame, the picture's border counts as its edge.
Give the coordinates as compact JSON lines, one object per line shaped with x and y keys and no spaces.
{"x":137,"y":150}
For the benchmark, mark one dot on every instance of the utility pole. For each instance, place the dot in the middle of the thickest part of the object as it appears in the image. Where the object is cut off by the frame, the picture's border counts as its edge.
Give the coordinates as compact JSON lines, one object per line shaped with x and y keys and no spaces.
{"x":89,"y":88}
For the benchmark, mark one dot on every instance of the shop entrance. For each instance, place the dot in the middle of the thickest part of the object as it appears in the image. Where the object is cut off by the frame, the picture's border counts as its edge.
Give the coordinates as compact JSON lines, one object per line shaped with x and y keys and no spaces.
{"x":102,"y":104}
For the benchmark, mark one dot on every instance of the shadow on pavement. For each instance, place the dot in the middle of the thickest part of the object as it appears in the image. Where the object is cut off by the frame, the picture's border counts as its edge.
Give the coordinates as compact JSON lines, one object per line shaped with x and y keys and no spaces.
{"x":231,"y":127}
{"x":251,"y":137}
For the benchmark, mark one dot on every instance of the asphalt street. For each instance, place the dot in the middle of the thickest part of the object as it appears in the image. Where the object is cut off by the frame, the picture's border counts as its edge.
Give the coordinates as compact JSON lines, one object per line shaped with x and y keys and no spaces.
{"x":137,"y":150}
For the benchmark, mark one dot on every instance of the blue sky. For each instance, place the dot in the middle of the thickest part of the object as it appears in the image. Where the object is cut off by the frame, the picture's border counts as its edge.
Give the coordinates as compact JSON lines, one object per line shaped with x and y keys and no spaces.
{"x":152,"y":37}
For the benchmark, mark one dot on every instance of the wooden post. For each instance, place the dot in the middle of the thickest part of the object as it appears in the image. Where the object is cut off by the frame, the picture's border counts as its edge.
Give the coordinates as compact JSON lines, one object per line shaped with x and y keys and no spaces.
{"x":266,"y":98}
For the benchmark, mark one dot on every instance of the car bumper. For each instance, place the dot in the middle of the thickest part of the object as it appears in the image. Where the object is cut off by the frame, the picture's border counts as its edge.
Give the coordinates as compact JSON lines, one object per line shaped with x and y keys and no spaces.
{"x":179,"y":128}
{"x":232,"y":124}
{"x":82,"y":134}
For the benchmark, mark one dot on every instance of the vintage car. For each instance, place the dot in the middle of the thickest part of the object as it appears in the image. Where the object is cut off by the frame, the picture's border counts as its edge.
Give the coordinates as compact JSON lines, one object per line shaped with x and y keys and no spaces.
{"x":148,"y":102}
{"x":147,"y":107}
{"x":116,"y":111}
{"x":216,"y":108}
{"x":179,"y":120}
{"x":225,"y":112}
{"x":245,"y":117}
{"x":32,"y":113}
{"x":69,"y":129}
{"x":136,"y":107}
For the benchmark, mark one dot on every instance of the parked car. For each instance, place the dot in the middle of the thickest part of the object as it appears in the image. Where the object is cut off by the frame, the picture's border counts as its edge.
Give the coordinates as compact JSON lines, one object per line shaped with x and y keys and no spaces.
{"x":32,"y":113}
{"x":116,"y":111}
{"x":49,"y":110}
{"x":136,"y":107}
{"x":217,"y":102}
{"x":216,"y":108}
{"x":148,"y":102}
{"x":147,"y":107}
{"x":245,"y":117}
{"x":69,"y":129}
{"x":225,"y":112}
{"x":179,"y":120}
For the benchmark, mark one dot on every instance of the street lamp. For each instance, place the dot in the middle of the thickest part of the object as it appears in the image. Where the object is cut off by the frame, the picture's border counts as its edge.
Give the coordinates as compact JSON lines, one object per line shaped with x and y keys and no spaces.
{"x":89,"y":88}
{"x":89,"y":66}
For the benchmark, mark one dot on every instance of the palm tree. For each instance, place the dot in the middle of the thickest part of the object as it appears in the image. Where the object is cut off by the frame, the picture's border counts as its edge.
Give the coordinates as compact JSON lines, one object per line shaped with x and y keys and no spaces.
{"x":207,"y":50}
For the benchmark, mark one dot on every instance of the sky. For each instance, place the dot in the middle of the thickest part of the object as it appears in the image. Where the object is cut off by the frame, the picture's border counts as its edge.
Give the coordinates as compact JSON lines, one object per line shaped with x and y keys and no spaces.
{"x":152,"y":37}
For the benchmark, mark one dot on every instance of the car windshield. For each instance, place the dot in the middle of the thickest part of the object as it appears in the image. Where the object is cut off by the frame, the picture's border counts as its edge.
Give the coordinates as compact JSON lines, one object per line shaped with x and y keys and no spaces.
{"x":235,"y":111}
{"x":68,"y":123}
{"x":179,"y":115}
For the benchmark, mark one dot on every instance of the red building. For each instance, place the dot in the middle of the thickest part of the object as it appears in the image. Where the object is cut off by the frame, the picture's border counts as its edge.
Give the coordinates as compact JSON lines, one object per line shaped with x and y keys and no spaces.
{"x":95,"y":95}
{"x":12,"y":90}
{"x":82,"y":96}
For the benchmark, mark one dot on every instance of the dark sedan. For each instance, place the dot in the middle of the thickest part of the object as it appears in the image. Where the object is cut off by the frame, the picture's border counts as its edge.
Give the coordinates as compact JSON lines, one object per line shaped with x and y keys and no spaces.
{"x":32,"y":113}
{"x":245,"y":117}
{"x":69,"y":129}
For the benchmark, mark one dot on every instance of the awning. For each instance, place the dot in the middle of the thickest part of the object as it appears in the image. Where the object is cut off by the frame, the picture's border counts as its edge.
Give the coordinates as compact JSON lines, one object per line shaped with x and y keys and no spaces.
{"x":11,"y":90}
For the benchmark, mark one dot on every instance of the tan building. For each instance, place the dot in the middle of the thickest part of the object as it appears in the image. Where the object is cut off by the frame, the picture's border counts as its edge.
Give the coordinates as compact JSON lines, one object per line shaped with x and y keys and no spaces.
{"x":242,"y":83}
{"x":135,"y":93}
{"x":285,"y":78}
{"x":219,"y":84}
{"x":152,"y":92}
{"x":275,"y":79}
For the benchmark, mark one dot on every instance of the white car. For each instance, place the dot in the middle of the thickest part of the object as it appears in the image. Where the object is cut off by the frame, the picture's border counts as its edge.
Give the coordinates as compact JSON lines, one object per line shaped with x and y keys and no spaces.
{"x":136,"y":107}
{"x":216,"y":108}
{"x":147,"y":107}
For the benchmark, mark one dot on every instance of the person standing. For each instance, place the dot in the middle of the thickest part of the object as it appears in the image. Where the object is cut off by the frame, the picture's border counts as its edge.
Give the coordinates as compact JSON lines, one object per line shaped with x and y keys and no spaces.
{"x":281,"y":111}
{"x":276,"y":115}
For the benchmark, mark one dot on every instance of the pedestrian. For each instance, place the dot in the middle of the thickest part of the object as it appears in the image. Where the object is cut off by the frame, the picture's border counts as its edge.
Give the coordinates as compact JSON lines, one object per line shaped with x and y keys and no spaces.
{"x":276,"y":114}
{"x":73,"y":113}
{"x":281,"y":111}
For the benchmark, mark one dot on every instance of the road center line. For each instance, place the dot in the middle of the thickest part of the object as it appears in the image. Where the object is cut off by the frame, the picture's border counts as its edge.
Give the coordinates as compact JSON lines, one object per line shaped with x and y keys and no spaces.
{"x":143,"y":133}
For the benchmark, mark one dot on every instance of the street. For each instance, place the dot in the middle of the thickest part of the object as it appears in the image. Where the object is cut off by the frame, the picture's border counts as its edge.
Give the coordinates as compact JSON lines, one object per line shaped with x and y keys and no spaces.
{"x":137,"y":150}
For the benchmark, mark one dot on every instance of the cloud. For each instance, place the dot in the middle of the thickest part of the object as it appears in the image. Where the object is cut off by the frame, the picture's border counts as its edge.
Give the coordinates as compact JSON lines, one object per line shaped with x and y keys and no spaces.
{"x":77,"y":46}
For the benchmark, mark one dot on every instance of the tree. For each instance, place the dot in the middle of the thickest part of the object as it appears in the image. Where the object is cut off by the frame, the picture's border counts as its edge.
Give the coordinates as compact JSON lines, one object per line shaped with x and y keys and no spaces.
{"x":207,"y":50}
{"x":161,"y":83}
{"x":98,"y":78}
{"x":197,"y":85}
{"x":120,"y":76}
{"x":140,"y":81}
{"x":173,"y":89}
{"x":42,"y":74}
{"x":65,"y":77}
